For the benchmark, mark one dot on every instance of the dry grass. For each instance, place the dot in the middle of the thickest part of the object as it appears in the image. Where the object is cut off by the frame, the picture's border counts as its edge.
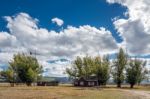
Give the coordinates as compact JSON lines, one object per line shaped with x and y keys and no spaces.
{"x":63,"y":92}
{"x":141,"y":87}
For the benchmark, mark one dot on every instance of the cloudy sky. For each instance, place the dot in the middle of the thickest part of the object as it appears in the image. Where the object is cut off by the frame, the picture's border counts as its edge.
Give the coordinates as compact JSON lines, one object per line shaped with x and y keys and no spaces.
{"x":59,"y":30}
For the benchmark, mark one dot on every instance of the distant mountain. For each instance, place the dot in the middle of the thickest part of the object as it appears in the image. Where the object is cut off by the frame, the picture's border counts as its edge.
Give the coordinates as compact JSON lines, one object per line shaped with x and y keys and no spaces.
{"x":60,"y":79}
{"x":63,"y":79}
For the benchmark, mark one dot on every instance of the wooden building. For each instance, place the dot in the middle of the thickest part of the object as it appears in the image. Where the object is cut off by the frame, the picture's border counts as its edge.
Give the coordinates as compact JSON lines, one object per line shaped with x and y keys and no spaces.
{"x":85,"y":82}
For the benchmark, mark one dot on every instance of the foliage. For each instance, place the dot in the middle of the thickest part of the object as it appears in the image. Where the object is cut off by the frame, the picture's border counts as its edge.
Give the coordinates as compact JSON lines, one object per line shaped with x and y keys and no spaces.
{"x":119,"y":66}
{"x":88,"y":66}
{"x":9,"y":75}
{"x":135,"y":72}
{"x":80,"y":68}
{"x":24,"y":69}
{"x":101,"y":69}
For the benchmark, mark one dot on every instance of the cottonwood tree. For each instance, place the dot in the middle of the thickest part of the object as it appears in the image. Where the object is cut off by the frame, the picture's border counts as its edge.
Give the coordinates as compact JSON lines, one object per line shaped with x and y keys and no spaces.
{"x":23,"y":68}
{"x":87,"y":66}
{"x":119,"y":66}
{"x":81,"y":67}
{"x":9,"y":76}
{"x":101,"y":69}
{"x":76,"y":70}
{"x":135,"y":72}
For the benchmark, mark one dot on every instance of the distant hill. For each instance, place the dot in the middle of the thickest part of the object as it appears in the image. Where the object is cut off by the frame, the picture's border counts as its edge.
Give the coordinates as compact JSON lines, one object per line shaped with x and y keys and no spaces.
{"x":60,"y":79}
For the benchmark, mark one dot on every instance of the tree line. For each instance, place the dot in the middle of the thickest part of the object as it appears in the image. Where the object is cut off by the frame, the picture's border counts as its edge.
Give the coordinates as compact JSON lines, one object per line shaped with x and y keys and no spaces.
{"x":121,"y":68}
{"x":26,"y":69}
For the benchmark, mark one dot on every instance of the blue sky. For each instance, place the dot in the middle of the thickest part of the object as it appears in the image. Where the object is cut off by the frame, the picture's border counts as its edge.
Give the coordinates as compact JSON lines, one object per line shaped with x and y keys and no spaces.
{"x":60,"y":30}
{"x":73,"y":12}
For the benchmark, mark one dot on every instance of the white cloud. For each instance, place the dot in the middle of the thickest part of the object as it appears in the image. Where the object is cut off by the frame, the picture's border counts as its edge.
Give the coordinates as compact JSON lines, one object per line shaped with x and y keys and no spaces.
{"x":25,"y":36}
{"x":135,"y":30}
{"x":7,"y":40}
{"x":56,"y":69}
{"x":5,"y":57}
{"x":58,"y":21}
{"x":68,"y":42}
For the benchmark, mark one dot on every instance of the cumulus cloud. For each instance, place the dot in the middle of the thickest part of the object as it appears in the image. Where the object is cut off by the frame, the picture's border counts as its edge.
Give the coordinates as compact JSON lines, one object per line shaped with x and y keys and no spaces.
{"x":58,"y":21}
{"x":135,"y":30}
{"x":56,"y":69}
{"x":25,"y":35}
{"x":7,"y":40}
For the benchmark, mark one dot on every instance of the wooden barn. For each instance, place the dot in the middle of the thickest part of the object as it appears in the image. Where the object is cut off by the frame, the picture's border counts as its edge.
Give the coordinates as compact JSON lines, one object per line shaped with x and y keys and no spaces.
{"x":47,"y":81}
{"x":85,"y":82}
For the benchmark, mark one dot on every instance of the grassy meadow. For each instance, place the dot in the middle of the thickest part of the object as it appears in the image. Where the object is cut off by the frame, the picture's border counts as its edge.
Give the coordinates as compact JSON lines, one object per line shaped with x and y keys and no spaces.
{"x":68,"y":92}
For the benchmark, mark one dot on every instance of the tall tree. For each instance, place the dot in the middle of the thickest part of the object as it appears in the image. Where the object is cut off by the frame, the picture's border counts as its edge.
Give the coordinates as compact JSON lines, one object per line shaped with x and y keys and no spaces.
{"x":102,"y":69}
{"x":119,"y":66}
{"x":25,"y":69}
{"x":77,"y":69}
{"x":87,"y":66}
{"x":143,"y":73}
{"x":135,"y":72}
{"x":81,"y":67}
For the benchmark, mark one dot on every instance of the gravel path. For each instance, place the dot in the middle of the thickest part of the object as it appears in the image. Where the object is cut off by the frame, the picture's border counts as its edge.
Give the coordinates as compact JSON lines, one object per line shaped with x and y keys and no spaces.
{"x":142,"y":94}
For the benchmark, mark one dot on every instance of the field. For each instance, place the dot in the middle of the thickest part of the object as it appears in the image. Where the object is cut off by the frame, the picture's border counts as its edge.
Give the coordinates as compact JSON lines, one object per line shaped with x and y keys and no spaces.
{"x":69,"y":92}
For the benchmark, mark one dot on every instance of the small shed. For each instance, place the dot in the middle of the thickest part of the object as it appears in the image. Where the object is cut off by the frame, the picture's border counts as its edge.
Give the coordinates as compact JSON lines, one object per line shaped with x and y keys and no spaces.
{"x":47,"y":81}
{"x":85,"y":82}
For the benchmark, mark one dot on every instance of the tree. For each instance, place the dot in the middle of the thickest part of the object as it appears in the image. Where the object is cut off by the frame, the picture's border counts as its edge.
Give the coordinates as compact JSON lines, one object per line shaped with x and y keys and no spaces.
{"x":135,"y":72}
{"x":76,"y":70}
{"x":9,"y":76}
{"x":102,"y":69}
{"x":25,"y":69}
{"x":87,"y":66}
{"x":119,"y":66}
{"x":30,"y":76}
{"x":144,"y":73}
{"x":81,"y":67}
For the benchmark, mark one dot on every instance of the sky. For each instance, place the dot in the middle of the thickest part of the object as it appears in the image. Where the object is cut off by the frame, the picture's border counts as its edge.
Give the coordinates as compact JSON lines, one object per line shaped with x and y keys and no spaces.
{"x":59,"y":30}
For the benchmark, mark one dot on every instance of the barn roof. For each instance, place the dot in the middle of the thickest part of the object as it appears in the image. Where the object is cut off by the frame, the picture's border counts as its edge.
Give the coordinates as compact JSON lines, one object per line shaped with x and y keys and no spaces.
{"x":91,"y":78}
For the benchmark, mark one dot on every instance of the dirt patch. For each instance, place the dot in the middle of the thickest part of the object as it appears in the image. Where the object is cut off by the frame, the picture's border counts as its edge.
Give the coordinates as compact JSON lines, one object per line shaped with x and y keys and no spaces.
{"x":142,"y":94}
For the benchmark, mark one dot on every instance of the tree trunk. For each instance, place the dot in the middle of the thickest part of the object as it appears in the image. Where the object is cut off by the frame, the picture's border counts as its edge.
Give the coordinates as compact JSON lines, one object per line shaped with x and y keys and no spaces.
{"x":29,"y":84}
{"x":131,"y":85}
{"x":119,"y":85}
{"x":98,"y":82}
{"x":12,"y":84}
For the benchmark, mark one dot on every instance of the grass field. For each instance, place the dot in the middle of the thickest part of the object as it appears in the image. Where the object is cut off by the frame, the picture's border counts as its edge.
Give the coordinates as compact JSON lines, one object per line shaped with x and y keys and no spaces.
{"x":67,"y":92}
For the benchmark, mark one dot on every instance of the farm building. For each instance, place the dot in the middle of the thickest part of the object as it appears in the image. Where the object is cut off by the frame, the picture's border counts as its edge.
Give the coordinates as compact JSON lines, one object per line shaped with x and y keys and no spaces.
{"x":47,"y":81}
{"x":85,"y":82}
{"x":2,"y":79}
